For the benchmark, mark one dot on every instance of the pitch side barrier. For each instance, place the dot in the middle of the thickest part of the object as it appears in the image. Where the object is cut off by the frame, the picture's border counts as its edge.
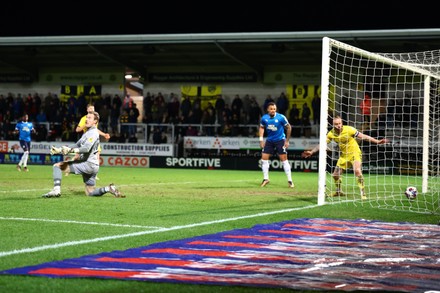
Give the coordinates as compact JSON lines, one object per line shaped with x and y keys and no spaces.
{"x":237,"y":153}
{"x":229,"y":153}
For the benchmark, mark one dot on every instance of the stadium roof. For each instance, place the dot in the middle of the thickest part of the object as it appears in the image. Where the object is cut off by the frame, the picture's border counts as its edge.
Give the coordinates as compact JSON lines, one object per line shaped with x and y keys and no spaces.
{"x":254,"y":51}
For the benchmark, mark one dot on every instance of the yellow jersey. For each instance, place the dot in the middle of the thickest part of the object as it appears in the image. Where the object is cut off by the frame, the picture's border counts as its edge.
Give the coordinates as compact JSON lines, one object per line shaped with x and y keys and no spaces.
{"x":82,"y":123}
{"x":346,"y":140}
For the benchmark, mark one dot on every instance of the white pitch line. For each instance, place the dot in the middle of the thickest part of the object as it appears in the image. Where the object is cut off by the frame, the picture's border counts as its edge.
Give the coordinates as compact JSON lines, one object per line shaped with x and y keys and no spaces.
{"x":79,"y":222}
{"x":123,"y":185}
{"x":23,"y":190}
{"x":72,"y":243}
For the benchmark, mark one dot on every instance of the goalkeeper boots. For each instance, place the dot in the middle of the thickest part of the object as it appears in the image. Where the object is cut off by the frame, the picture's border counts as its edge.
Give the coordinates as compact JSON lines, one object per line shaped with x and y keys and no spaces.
{"x":114,"y":190}
{"x":52,"y":193}
{"x":265,"y":182}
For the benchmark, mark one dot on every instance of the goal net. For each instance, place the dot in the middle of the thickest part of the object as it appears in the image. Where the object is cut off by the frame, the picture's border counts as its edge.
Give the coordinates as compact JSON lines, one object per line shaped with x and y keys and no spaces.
{"x":404,"y":108}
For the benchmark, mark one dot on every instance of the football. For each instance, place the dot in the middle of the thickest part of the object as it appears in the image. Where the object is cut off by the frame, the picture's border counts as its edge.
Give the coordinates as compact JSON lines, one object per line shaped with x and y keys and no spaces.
{"x":411,"y":192}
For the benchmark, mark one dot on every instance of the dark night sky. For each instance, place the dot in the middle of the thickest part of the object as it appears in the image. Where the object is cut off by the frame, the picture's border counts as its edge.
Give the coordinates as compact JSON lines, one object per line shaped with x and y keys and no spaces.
{"x":214,"y":17}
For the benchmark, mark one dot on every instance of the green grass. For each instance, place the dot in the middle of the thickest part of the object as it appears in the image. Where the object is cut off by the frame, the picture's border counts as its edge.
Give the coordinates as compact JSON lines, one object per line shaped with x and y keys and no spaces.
{"x":186,"y":203}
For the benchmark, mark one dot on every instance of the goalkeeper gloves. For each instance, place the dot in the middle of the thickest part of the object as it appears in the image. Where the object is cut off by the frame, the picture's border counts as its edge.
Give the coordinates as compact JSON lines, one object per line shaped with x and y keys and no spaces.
{"x":62,"y":150}
{"x":66,"y":150}
{"x":54,"y":150}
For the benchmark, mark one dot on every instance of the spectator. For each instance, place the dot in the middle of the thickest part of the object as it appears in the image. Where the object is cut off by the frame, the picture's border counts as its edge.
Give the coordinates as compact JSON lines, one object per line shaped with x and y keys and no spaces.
{"x":147,"y":103}
{"x":296,"y":124}
{"x":268,"y":100}
{"x":237,"y":105}
{"x":294,"y":112}
{"x":306,"y":112}
{"x":173,"y":109}
{"x":282,"y":104}
{"x":123,"y":120}
{"x":366,"y":108}
{"x":114,"y":117}
{"x":255,"y":112}
{"x":191,"y":131}
{"x":219,"y":106}
{"x":41,"y":117}
{"x":118,"y":102}
{"x":81,"y":104}
{"x":41,"y":133}
{"x":305,"y":115}
{"x":132,"y":120}
{"x":127,"y":102}
{"x":246,"y":104}
{"x":185,"y":108}
{"x":105,"y":114}
{"x":316,"y":109}
{"x":159,"y":136}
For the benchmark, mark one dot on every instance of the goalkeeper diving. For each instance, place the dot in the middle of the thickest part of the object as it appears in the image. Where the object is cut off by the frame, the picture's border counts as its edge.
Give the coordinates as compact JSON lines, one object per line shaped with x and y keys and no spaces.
{"x":86,"y":162}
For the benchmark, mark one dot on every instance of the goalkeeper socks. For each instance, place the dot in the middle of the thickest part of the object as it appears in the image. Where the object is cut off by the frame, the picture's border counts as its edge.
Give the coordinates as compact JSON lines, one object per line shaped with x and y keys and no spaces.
{"x":287,"y":170}
{"x":99,"y":191}
{"x":57,"y":175}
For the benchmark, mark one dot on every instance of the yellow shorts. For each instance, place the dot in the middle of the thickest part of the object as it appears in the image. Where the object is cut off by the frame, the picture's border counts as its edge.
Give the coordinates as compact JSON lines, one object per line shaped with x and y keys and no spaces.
{"x":345,"y":162}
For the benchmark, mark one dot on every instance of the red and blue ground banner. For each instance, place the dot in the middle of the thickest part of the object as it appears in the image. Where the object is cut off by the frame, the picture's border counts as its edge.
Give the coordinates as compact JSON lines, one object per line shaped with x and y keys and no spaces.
{"x":303,"y":254}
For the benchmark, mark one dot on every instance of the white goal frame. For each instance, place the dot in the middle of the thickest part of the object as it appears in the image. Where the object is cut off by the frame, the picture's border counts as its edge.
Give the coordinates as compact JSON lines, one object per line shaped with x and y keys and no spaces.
{"x":328,"y":46}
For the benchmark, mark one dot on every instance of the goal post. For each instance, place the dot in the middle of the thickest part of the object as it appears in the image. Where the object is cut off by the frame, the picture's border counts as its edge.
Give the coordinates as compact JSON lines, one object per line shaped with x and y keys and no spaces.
{"x":403,"y":91}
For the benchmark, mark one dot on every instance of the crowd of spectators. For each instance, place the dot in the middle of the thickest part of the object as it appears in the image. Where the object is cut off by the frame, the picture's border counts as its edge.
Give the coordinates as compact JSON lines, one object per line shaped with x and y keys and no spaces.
{"x":56,"y":118}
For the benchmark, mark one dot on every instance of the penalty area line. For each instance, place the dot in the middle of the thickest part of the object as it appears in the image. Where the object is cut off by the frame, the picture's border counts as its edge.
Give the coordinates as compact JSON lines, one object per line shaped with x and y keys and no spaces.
{"x":160,"y":230}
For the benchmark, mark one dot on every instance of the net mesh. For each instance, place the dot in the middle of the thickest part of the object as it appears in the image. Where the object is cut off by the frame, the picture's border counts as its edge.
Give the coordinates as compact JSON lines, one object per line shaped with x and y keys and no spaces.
{"x":397,"y":86}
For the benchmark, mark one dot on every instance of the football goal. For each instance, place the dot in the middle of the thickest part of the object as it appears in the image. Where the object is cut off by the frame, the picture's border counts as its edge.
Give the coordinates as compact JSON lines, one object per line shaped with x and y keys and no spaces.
{"x":403,"y":106}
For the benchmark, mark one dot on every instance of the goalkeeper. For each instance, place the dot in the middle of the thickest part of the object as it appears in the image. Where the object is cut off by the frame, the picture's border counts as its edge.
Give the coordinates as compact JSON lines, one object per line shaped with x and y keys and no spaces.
{"x":86,"y":162}
{"x":81,"y":128}
{"x":351,"y":155}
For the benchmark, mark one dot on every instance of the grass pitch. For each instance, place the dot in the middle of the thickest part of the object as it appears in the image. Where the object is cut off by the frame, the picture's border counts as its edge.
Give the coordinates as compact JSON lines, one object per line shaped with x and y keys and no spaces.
{"x":161,"y":205}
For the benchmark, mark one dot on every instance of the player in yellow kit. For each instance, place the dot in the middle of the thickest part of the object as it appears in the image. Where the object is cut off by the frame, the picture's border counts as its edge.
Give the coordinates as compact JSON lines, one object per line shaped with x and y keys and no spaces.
{"x":351,"y":154}
{"x":83,"y":128}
